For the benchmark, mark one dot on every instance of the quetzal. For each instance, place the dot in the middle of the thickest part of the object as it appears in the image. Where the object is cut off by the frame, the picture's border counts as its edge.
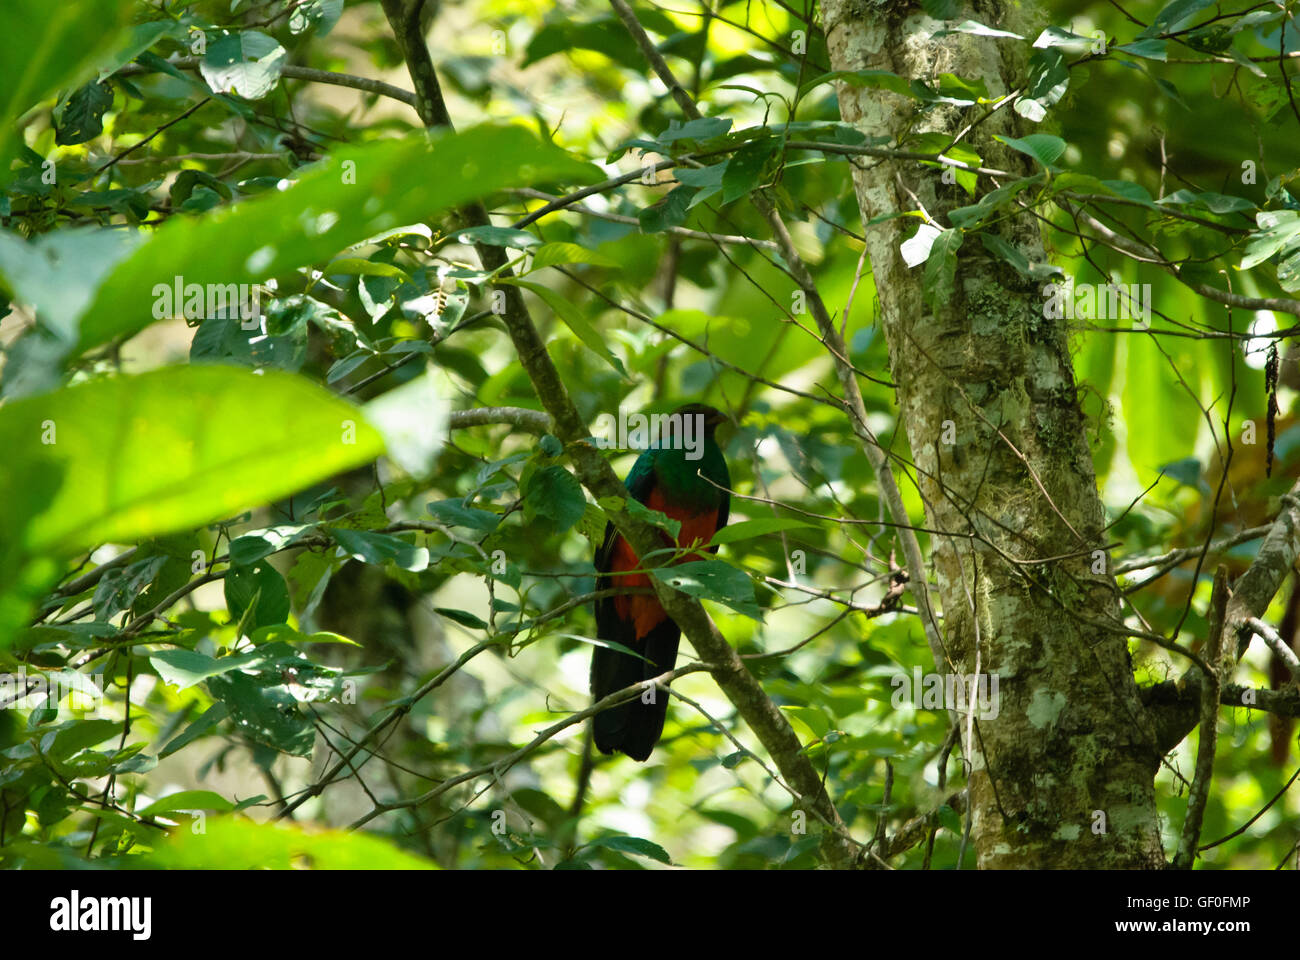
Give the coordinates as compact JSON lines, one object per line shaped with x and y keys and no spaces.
{"x":693,"y":492}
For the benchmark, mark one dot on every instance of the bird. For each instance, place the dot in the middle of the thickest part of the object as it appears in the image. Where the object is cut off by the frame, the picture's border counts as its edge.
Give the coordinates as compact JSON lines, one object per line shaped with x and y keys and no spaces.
{"x":693,"y":491}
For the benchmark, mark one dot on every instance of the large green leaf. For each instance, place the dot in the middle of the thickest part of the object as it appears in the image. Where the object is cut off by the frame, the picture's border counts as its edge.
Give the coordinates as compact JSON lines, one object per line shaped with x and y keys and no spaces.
{"x":45,"y":47}
{"x":130,"y":457}
{"x":379,"y":548}
{"x":235,"y":844}
{"x":188,"y":800}
{"x":358,"y":193}
{"x":575,"y":321}
{"x":554,"y":493}
{"x":712,"y":579}
{"x":246,"y":63}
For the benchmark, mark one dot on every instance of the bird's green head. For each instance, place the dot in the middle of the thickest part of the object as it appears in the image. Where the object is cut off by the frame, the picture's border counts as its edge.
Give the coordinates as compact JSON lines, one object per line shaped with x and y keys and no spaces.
{"x":688,"y":460}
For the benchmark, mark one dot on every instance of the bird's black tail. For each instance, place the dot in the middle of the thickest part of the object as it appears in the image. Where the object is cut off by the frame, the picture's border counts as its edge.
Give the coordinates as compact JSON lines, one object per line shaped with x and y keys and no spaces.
{"x":633,"y":727}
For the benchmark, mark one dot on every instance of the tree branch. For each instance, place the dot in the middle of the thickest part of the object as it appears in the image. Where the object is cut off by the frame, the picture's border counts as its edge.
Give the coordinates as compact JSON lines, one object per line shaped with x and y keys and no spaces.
{"x":1254,"y":589}
{"x":1174,"y":705}
{"x":365,"y":84}
{"x":533,"y":421}
{"x":736,"y":682}
{"x":1199,"y":794}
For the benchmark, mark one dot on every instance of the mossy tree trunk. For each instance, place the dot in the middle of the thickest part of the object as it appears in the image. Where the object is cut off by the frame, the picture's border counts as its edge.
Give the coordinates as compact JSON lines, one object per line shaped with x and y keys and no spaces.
{"x":1063,"y":775}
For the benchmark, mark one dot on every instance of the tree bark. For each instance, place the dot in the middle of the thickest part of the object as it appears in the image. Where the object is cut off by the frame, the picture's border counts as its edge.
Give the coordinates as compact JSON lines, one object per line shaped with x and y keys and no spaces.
{"x":1063,"y":775}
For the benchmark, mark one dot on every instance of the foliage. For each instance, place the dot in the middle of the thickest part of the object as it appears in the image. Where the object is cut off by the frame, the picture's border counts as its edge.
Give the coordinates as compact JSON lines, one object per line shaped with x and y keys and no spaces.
{"x":245,"y":541}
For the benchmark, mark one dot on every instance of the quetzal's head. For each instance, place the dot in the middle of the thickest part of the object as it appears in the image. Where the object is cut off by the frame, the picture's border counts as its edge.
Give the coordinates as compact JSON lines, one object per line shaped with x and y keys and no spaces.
{"x":712,"y":416}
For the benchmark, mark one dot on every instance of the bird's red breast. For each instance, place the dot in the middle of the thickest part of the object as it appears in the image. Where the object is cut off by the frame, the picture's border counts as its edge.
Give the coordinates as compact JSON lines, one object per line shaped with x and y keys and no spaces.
{"x":643,"y":609}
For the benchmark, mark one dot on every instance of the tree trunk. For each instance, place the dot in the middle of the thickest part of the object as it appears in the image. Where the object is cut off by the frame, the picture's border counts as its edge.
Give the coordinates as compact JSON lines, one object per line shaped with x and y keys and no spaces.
{"x":1064,"y":774}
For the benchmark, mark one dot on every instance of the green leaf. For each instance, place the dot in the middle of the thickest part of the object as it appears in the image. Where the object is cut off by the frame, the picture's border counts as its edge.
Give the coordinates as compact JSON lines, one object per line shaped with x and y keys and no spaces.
{"x":653,"y":517}
{"x":1186,"y":471}
{"x":743,"y":826}
{"x":1278,"y":230}
{"x":1131,"y":191}
{"x":941,"y":268}
{"x":871,"y":79}
{"x":187,"y":800}
{"x":185,"y":182}
{"x":265,"y":711}
{"x":1006,"y":252}
{"x":247,"y":64}
{"x":79,"y":735}
{"x":949,"y":819}
{"x":463,"y":617}
{"x":238,"y":844}
{"x":380,"y":548}
{"x":123,"y":458}
{"x":496,"y":237}
{"x":607,"y":644}
{"x":357,"y":193}
{"x":357,"y":267}
{"x":969,"y":217}
{"x":668,"y":212}
{"x":454,"y":513}
{"x":58,"y":273}
{"x":744,"y":171}
{"x":642,"y":848}
{"x":554,"y":493}
{"x":715,"y":580}
{"x":1049,"y":78}
{"x":1054,"y":36}
{"x":1172,"y":15}
{"x":82,"y":118}
{"x":952,"y":89}
{"x":119,"y":588}
{"x":253,"y":546}
{"x":1043,"y":147}
{"x":746,"y":529}
{"x":46,"y":47}
{"x":206,"y":722}
{"x":602,"y":34}
{"x":705,"y":128}
{"x":185,"y":668}
{"x":1220,"y":203}
{"x":813,"y":718}
{"x":1148,"y":49}
{"x":575,"y":321}
{"x":549,"y":254}
{"x":412,"y":420}
{"x":283,"y":633}
{"x":215,"y":441}
{"x":320,"y":15}
{"x":261,"y":588}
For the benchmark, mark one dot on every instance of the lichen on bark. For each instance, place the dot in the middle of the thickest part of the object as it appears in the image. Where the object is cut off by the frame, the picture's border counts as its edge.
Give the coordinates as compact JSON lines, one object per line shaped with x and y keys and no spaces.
{"x":1063,"y":776}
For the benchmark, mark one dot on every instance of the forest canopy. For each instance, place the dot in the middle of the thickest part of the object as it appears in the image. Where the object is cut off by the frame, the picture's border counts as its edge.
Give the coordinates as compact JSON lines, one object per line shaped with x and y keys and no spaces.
{"x":333,"y":339}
